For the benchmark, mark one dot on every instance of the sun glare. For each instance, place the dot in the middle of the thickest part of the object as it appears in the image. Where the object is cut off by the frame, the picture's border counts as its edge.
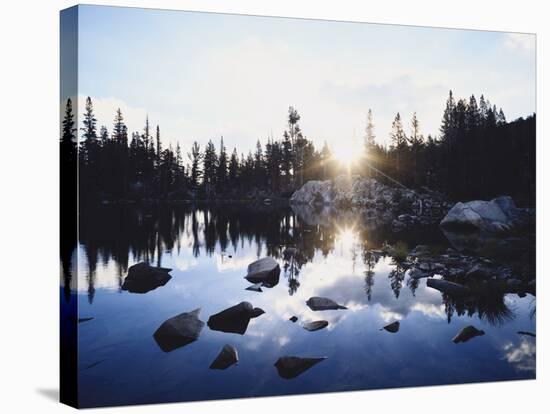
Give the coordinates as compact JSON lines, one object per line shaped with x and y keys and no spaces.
{"x":347,"y":237}
{"x":346,"y":154}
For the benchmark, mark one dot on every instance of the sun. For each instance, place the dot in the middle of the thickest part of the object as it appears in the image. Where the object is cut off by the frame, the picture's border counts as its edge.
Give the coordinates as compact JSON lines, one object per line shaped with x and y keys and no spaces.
{"x":346,"y":154}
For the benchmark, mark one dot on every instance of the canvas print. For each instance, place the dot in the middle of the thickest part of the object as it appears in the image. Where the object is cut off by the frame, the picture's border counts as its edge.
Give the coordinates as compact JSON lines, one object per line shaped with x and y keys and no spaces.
{"x":259,"y":206}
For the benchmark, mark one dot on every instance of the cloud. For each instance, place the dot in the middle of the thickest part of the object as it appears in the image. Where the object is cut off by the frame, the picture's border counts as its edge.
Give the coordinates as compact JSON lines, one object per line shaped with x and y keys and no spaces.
{"x":522,"y":355}
{"x":525,"y":43}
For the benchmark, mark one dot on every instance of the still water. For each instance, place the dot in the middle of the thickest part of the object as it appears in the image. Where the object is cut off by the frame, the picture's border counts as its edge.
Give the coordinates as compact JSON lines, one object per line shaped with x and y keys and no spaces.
{"x":209,"y":250}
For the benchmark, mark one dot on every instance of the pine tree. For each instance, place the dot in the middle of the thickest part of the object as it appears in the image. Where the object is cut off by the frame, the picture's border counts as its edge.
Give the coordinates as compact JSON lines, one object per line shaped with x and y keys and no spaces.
{"x":399,"y":143}
{"x":222,"y":166}
{"x":210,"y":166}
{"x":195,"y":156}
{"x":416,"y":141}
{"x":68,"y":137}
{"x":159,"y":145}
{"x":448,"y":123}
{"x":234,"y":168}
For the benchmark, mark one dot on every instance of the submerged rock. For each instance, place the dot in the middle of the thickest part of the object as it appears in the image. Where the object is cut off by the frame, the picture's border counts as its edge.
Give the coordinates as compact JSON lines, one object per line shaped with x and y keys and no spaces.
{"x":234,"y":319}
{"x":315,"y":325}
{"x":392,"y":327}
{"x":467,"y":333}
{"x":291,"y":366}
{"x":293,"y":319}
{"x":143,"y":278}
{"x":179,"y":330}
{"x":450,"y":288}
{"x":317,"y":303}
{"x":265,"y":271}
{"x":525,"y":333}
{"x":227,"y":357}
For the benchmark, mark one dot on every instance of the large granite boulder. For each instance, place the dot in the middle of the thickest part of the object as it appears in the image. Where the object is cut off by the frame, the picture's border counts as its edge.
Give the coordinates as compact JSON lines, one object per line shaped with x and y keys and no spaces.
{"x":380,"y":204}
{"x":497,"y":215}
{"x":179,"y":331}
{"x":143,"y":278}
{"x":234,"y":319}
{"x":265,"y":271}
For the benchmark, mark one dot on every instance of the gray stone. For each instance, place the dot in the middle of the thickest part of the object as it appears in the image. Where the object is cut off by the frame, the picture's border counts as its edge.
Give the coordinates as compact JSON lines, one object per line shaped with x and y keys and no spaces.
{"x":418,"y":274}
{"x":227,"y":357}
{"x":179,"y":330}
{"x":448,"y":287}
{"x":315,"y":325}
{"x":479,"y":271}
{"x":496,"y":215}
{"x":257,"y":287}
{"x":467,"y":333}
{"x":291,"y":366}
{"x":143,"y":278}
{"x":265,"y":271}
{"x":317,"y":303}
{"x":392,"y":327}
{"x":234,"y":319}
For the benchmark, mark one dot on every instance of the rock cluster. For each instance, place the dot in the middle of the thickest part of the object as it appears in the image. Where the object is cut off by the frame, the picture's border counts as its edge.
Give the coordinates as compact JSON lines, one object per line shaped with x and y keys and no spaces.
{"x":400,"y":207}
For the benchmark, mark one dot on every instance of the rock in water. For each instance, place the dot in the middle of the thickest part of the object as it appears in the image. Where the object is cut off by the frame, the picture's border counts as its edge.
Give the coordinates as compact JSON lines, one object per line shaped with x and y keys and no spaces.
{"x":293,"y":319}
{"x":315,"y":325}
{"x":416,"y":273}
{"x":234,"y":319}
{"x":227,"y":357}
{"x":291,"y":366}
{"x":467,"y":333}
{"x":450,"y":288}
{"x":257,"y":287}
{"x":497,"y":215}
{"x":179,"y":330}
{"x":81,"y":320}
{"x":392,"y":327}
{"x":265,"y":271}
{"x":531,"y":334}
{"x":143,"y":278}
{"x":317,"y":303}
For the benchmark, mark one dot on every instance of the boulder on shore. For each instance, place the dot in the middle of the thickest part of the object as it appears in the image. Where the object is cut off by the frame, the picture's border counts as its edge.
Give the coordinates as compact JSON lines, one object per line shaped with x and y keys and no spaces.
{"x":291,"y":366}
{"x":143,"y":278}
{"x":317,"y":303}
{"x":265,"y":271}
{"x":495,"y":216}
{"x":179,"y":330}
{"x":381,"y":204}
{"x":234,"y":319}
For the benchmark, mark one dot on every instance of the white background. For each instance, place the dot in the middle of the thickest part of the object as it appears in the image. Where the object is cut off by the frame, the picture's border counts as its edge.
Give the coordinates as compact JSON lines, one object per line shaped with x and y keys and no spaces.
{"x":29,"y":73}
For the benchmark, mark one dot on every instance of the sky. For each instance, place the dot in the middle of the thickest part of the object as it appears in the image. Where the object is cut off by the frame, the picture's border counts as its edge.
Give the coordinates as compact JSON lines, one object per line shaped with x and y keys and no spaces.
{"x":201,"y":76}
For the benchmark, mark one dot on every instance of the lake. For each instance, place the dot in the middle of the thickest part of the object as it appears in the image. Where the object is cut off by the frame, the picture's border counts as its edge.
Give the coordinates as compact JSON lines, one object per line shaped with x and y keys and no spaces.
{"x":209,"y":249}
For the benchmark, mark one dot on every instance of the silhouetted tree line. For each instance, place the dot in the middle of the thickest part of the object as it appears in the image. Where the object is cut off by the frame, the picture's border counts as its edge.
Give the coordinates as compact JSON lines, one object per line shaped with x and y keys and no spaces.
{"x":478,"y":154}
